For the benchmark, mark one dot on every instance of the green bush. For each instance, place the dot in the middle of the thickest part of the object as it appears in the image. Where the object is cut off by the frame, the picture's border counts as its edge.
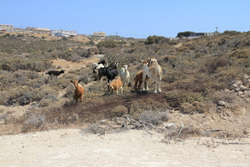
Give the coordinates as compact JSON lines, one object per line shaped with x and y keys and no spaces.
{"x":156,"y":40}
{"x":184,"y":34}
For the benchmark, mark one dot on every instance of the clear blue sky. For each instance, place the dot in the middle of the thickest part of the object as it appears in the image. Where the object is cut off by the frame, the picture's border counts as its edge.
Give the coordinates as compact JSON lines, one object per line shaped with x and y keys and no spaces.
{"x":129,"y":18}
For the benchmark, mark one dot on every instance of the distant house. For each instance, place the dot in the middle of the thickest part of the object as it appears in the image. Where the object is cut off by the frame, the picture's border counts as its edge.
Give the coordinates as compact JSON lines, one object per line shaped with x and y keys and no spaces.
{"x":62,"y":33}
{"x":37,"y":29}
{"x":203,"y":34}
{"x":100,"y":34}
{"x":6,"y":27}
{"x":190,"y":34}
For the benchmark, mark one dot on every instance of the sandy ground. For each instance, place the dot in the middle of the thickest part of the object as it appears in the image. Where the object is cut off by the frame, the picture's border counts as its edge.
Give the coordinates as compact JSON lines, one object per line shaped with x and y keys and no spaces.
{"x":68,"y":65}
{"x":71,"y":147}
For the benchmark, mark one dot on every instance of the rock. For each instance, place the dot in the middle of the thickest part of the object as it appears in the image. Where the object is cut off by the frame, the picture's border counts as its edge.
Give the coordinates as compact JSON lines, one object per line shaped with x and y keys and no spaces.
{"x":227,"y":90}
{"x":240,"y":93}
{"x":243,"y":88}
{"x":222,"y":103}
{"x":246,"y":77}
{"x":171,"y":126}
{"x":247,"y":93}
{"x":235,"y":85}
{"x":238,"y":82}
{"x":237,"y":89}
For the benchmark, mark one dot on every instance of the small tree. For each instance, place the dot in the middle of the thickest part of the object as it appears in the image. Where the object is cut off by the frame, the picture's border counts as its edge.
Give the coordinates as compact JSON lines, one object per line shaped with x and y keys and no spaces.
{"x":184,"y":34}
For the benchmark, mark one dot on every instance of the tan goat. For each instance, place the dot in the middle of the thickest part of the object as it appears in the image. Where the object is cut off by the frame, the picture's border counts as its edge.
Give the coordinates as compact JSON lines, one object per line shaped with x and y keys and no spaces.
{"x":153,"y":70}
{"x":116,"y":85}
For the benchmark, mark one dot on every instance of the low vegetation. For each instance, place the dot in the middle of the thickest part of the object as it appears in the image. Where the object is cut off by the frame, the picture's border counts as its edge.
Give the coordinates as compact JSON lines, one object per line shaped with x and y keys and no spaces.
{"x":195,"y":72}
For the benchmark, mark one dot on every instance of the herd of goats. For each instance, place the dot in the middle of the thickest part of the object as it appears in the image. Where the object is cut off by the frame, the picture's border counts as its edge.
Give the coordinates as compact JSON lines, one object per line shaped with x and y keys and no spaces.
{"x":116,"y":79}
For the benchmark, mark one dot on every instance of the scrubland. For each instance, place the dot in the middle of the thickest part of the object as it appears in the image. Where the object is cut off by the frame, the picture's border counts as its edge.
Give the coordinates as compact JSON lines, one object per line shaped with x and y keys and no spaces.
{"x":205,"y":87}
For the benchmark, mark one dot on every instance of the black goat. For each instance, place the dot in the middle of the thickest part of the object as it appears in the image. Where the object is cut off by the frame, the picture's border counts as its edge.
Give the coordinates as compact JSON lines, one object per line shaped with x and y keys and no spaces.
{"x":54,"y":73}
{"x":110,"y":72}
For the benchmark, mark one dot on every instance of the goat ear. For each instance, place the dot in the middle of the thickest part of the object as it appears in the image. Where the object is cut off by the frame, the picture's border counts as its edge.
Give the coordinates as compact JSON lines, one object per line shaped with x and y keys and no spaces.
{"x":71,"y":81}
{"x":79,"y":81}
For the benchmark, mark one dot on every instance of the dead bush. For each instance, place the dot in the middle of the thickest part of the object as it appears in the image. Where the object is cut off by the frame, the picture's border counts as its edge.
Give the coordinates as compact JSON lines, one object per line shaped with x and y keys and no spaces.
{"x":34,"y":122}
{"x":196,"y":106}
{"x":179,"y":132}
{"x":223,"y":96}
{"x":241,"y":57}
{"x":118,"y":111}
{"x":213,"y":64}
{"x":154,"y":117}
{"x":95,"y":129}
{"x":176,"y":98}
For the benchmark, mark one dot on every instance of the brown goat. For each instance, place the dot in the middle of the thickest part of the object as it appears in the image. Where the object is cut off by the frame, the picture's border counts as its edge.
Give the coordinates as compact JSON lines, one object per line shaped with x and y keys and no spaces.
{"x":139,"y":78}
{"x":79,"y":90}
{"x":116,"y":85}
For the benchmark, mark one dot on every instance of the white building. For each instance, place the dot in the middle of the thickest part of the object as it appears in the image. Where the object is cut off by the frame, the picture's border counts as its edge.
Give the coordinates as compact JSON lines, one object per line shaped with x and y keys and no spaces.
{"x":6,"y":27}
{"x":62,"y":33}
{"x":100,"y":34}
{"x":37,"y":29}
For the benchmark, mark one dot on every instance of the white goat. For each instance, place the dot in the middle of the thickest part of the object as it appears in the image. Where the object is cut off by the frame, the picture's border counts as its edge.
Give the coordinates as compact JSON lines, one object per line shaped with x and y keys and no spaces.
{"x":153,"y":70}
{"x":125,"y":75}
{"x":95,"y":67}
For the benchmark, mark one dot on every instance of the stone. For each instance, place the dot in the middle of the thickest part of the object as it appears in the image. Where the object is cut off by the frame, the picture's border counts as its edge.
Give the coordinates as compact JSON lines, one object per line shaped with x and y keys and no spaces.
{"x":171,"y":126}
{"x":222,"y":103}
{"x":243,"y":88}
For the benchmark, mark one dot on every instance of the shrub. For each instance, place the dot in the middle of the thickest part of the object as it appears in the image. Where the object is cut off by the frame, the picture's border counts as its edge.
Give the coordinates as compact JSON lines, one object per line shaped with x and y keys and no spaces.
{"x":240,"y":57}
{"x":169,"y":59}
{"x":44,"y":103}
{"x":214,"y":63}
{"x":196,"y":106}
{"x":223,"y":96}
{"x":184,"y":34}
{"x":154,"y":117}
{"x":227,"y":32}
{"x":118,"y":111}
{"x":176,"y":98}
{"x":27,"y":98}
{"x":32,"y":64}
{"x":107,"y":44}
{"x":34,"y":122}
{"x":155,"y":40}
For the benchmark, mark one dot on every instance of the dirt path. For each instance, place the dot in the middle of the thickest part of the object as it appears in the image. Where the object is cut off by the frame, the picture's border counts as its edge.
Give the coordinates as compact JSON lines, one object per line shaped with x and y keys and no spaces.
{"x":70,"y":147}
{"x":68,"y":65}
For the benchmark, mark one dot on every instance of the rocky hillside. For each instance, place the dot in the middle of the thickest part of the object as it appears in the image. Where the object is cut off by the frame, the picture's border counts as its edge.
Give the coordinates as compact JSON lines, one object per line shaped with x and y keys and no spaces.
{"x":205,"y":85}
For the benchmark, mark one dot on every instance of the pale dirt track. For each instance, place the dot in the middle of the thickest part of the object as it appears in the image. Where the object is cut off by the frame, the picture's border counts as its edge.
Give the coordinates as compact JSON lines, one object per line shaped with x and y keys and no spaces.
{"x":70,"y":147}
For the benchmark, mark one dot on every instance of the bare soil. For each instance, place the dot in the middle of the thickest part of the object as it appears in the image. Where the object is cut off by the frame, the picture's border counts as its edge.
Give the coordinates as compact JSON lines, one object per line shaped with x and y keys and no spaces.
{"x":72,"y":147}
